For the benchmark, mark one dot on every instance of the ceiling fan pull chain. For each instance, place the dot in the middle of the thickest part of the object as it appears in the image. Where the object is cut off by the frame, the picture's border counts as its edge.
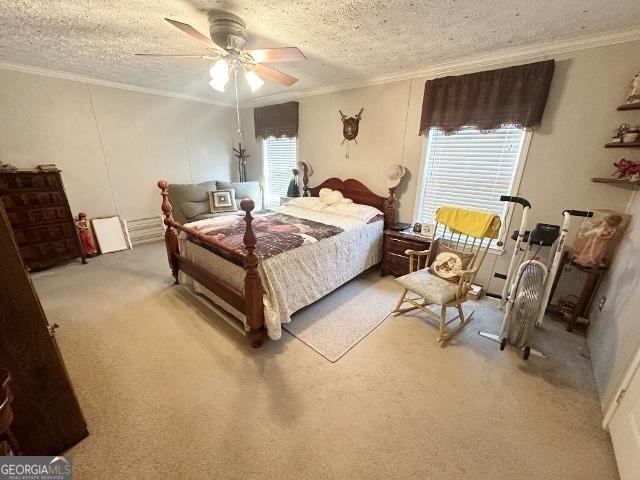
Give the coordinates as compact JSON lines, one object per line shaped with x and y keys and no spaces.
{"x":235,"y":85}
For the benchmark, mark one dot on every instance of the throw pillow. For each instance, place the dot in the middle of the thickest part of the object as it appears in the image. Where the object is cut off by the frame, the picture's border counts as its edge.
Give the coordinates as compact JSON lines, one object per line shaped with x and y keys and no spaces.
{"x":448,"y":263}
{"x":251,"y":190}
{"x":222,"y":201}
{"x":322,"y":195}
{"x":333,"y":197}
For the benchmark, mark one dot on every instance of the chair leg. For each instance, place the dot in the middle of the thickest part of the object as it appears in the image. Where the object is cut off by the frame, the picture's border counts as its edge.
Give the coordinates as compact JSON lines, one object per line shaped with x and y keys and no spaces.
{"x":443,"y":322}
{"x":401,"y":300}
{"x":446,"y":335}
{"x":460,"y":313}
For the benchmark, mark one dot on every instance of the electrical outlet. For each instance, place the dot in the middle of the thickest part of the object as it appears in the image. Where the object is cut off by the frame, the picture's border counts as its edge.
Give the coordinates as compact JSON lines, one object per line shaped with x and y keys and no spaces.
{"x":601,"y":303}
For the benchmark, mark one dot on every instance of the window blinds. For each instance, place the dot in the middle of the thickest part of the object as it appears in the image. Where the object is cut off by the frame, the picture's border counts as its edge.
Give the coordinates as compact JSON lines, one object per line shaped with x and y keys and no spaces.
{"x":470,"y":169}
{"x":279,"y":158}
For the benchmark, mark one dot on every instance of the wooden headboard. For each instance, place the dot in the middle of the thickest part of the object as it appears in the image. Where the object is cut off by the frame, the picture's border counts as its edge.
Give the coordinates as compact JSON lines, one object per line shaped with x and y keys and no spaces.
{"x":354,"y":190}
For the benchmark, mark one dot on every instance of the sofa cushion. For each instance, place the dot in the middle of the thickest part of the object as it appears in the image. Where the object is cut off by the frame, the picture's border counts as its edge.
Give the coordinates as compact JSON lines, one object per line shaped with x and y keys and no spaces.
{"x":191,"y":209}
{"x":189,"y":200}
{"x":243,"y":190}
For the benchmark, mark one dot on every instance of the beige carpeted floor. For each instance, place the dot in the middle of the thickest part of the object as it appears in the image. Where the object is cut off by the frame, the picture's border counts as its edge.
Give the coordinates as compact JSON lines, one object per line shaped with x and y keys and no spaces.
{"x":169,"y":392}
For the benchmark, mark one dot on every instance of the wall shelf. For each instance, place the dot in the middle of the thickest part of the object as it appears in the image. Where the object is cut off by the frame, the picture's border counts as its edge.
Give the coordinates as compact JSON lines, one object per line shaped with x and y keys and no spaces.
{"x":630,"y":106}
{"x":617,"y":181}
{"x":622,"y":145}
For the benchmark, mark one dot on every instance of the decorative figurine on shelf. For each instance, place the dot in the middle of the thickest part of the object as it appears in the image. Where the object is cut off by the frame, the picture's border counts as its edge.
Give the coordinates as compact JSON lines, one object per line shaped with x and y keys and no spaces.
{"x":627,"y":170}
{"x":294,"y":190}
{"x":7,"y":167}
{"x":634,"y":90}
{"x":620,"y":132}
{"x":84,"y":233}
{"x":350,"y":127}
{"x":597,"y":240}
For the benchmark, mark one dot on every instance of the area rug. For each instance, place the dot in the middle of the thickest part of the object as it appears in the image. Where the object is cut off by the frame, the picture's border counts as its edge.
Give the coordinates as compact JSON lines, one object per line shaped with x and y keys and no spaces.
{"x":336,"y":323}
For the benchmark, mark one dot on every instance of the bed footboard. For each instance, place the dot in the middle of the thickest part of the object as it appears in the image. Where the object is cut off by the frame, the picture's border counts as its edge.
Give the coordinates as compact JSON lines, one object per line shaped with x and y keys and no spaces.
{"x":249,"y":302}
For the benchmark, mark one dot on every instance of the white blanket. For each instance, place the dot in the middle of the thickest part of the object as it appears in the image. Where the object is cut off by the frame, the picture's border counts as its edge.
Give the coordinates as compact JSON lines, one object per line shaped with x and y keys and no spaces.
{"x":298,"y":277}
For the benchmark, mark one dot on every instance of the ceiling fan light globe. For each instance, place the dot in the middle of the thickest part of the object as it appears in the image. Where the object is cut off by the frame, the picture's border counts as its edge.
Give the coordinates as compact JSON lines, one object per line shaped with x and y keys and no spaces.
{"x":254,"y":81}
{"x":220,"y":70}
{"x":217,"y":85}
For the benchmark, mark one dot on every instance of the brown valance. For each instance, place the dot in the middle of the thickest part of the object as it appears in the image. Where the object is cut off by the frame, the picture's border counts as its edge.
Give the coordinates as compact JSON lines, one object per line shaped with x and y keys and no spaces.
{"x":276,"y":120}
{"x":488,"y":100}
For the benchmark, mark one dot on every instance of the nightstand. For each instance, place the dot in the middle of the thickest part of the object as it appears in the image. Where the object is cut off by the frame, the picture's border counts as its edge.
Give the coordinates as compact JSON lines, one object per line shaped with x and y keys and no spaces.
{"x":394,"y":260}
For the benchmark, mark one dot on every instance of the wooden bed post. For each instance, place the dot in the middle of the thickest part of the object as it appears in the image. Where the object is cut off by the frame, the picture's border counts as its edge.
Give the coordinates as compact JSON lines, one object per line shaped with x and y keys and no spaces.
{"x":390,"y":208}
{"x":305,"y":179}
{"x":254,"y":309}
{"x":170,"y":234}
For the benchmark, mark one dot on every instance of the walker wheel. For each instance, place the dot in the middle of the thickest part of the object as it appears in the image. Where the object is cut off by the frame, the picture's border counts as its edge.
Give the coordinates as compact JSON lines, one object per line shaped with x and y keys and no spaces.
{"x":503,"y":343}
{"x":526,"y":352}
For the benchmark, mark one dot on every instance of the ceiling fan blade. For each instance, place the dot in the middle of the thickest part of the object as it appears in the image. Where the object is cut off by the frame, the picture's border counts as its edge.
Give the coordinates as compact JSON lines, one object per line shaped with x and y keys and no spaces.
{"x":285,"y":54}
{"x":192,"y":32}
{"x":205,"y":57}
{"x":274,"y":75}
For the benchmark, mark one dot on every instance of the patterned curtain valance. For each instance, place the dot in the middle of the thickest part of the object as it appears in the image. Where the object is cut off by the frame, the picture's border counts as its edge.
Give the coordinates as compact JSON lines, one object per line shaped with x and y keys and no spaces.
{"x":276,"y":120}
{"x":488,"y":100}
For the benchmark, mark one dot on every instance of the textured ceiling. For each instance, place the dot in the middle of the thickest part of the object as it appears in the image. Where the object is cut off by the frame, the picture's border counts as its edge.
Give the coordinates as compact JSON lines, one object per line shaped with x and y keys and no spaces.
{"x":344,"y":41}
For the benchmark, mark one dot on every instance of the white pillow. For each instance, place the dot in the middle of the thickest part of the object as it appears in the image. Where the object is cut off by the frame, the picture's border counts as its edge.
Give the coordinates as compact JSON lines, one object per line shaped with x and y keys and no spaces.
{"x":310,"y":203}
{"x":364,"y":213}
{"x":332,"y":198}
{"x":323,"y":193}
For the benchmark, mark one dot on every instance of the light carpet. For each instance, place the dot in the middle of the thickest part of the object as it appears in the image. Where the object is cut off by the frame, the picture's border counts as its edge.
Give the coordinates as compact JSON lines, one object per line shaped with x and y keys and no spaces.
{"x":336,"y":323}
{"x":169,"y":391}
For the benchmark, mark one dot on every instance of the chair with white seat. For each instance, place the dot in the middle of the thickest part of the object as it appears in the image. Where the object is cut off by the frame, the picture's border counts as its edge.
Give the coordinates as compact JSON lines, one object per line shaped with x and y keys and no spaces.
{"x":449,"y":266}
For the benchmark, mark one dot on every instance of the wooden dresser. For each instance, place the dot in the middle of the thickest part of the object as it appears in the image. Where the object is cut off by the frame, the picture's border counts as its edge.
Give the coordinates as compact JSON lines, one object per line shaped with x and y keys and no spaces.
{"x":40,"y":217}
{"x":394,"y":260}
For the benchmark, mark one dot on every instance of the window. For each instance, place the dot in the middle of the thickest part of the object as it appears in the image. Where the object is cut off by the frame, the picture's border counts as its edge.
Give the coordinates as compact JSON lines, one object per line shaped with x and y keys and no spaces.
{"x":279,"y":157}
{"x":470,"y":169}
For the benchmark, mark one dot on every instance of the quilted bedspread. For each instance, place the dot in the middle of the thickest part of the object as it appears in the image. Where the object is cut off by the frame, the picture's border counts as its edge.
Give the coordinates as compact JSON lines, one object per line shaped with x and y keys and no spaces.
{"x":276,"y":232}
{"x":343,"y":248}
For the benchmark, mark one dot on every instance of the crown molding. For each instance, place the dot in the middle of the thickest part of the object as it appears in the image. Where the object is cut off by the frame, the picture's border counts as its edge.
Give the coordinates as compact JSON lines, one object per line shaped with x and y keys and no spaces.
{"x":463,"y":64}
{"x":16,"y":67}
{"x":468,"y":63}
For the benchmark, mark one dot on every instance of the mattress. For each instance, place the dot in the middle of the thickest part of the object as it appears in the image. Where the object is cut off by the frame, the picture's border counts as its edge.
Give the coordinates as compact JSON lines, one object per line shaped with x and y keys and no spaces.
{"x":296,"y":278}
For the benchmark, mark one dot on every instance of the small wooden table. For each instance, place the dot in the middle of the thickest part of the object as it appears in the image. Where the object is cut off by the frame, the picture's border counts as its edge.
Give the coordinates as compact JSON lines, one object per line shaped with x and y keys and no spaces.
{"x":394,"y":260}
{"x":589,"y":287}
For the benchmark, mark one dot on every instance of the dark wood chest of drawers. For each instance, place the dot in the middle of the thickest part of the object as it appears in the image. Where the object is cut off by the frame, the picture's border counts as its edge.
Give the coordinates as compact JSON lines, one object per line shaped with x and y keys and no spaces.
{"x":394,"y":260}
{"x":42,"y":223}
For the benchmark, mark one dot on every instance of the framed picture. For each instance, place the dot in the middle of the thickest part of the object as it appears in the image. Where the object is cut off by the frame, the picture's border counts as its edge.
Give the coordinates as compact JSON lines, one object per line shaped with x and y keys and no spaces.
{"x":110,"y":234}
{"x":427,"y":230}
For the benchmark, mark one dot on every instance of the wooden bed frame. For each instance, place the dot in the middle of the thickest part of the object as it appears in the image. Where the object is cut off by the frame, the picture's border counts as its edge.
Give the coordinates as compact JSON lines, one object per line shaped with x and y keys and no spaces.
{"x":250,"y":302}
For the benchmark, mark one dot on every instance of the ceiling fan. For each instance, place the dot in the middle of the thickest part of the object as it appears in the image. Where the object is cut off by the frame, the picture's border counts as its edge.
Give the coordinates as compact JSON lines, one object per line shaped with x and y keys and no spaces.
{"x":228,"y":36}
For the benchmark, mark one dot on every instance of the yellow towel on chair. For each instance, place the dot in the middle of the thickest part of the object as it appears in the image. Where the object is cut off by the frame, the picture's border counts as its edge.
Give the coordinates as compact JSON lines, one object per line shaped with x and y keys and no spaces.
{"x":474,"y":223}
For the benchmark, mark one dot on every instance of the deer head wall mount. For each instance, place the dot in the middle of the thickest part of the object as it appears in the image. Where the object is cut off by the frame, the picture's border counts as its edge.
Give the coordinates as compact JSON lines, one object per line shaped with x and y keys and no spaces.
{"x":350,"y":128}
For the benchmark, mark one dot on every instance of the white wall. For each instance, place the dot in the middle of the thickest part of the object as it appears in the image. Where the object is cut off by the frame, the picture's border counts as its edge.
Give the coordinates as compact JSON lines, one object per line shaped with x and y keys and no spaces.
{"x":90,"y":131}
{"x":614,"y":334}
{"x":564,"y":153}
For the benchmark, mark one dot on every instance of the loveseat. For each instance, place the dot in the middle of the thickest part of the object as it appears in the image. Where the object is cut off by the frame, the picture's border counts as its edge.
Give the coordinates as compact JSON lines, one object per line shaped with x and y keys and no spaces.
{"x":190,"y":202}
